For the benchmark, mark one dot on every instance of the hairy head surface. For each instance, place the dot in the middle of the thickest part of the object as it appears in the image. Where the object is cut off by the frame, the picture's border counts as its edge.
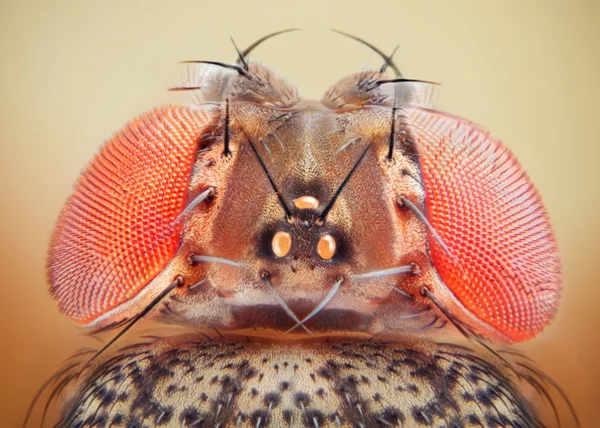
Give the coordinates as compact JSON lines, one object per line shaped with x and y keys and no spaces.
{"x":366,"y":212}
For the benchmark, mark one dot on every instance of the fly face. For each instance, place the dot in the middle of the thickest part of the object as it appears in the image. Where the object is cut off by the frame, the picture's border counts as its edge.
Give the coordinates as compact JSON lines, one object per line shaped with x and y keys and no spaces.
{"x":366,"y":212}
{"x":296,"y":233}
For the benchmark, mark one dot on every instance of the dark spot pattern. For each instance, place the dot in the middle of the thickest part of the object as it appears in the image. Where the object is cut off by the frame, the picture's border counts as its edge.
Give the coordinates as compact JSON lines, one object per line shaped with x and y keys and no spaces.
{"x":190,"y":383}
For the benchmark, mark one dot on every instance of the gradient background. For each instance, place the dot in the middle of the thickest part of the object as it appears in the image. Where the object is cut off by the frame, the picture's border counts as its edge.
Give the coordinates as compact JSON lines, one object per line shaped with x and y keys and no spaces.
{"x":73,"y":72}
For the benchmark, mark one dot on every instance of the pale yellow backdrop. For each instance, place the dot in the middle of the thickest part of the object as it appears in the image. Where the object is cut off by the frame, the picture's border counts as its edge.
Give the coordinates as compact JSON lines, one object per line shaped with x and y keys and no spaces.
{"x":71,"y":73}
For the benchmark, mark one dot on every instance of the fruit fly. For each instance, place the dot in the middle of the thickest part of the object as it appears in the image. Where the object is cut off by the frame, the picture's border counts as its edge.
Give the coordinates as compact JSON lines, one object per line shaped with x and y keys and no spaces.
{"x":254,"y":211}
{"x":366,"y":212}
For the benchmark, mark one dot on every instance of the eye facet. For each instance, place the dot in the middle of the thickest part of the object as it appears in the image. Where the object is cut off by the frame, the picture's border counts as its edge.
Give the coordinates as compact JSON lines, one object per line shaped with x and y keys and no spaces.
{"x":326,"y":247}
{"x":501,"y":260}
{"x":119,"y":229}
{"x":281,"y":244}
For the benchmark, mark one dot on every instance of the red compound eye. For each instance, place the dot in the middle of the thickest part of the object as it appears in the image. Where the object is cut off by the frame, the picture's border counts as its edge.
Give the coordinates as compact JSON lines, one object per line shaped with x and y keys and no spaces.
{"x":503,"y":264}
{"x":117,"y":231}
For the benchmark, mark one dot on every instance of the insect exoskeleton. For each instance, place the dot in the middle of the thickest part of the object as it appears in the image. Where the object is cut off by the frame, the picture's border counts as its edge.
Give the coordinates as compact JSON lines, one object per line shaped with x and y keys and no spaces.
{"x":306,"y":383}
{"x":367,"y":212}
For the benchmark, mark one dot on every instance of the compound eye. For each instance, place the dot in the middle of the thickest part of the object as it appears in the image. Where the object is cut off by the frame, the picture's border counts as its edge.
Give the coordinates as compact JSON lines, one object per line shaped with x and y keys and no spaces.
{"x":326,"y":247}
{"x":119,"y":230}
{"x":281,"y":244}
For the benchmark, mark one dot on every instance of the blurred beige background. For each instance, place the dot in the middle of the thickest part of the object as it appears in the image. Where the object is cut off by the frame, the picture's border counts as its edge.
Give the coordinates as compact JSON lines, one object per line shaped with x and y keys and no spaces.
{"x":73,"y":72}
